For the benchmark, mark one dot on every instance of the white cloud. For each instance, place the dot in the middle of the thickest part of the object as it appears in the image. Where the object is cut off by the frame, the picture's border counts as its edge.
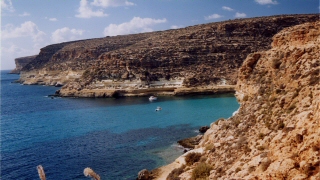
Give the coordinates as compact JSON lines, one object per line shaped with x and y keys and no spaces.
{"x":24,"y":14}
{"x":227,"y":8}
{"x":175,"y":27}
{"x":240,"y":15}
{"x":13,"y":49}
{"x":53,"y":19}
{"x":213,"y":16}
{"x":85,"y":11}
{"x":26,"y":29}
{"x":9,"y":52}
{"x":136,"y":25}
{"x":111,"y":3}
{"x":66,"y":34}
{"x":7,"y":5}
{"x":264,"y":2}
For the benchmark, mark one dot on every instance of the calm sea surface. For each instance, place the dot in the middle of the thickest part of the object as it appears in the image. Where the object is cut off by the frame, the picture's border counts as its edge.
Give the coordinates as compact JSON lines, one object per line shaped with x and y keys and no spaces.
{"x":115,"y":137}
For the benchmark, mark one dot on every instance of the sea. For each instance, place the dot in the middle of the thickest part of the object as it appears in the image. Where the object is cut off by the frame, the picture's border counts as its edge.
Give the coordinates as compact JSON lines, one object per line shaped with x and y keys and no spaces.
{"x":115,"y":137}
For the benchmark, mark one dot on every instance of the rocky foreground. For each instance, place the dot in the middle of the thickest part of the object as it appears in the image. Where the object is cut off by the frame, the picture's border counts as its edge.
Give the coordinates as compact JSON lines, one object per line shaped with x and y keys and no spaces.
{"x":275,"y":134}
{"x":200,"y":58}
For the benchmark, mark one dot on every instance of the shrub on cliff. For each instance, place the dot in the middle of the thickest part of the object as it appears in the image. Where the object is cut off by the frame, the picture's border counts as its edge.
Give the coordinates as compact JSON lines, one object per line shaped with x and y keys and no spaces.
{"x":174,"y":175}
{"x":202,"y":171}
{"x":192,"y":158}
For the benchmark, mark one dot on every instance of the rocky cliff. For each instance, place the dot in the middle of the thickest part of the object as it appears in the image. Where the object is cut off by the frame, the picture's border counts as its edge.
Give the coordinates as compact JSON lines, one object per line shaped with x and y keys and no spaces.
{"x":199,"y":56}
{"x":275,"y":133}
{"x":22,"y":62}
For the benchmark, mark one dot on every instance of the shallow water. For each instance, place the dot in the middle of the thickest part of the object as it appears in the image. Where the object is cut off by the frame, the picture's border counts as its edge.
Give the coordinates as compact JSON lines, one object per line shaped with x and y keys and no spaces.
{"x":115,"y":137}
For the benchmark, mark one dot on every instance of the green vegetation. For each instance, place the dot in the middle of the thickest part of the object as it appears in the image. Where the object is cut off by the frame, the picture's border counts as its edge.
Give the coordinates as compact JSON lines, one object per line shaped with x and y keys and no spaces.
{"x":174,"y":175}
{"x":209,"y":147}
{"x":202,"y":171}
{"x":247,"y":149}
{"x":281,"y":125}
{"x":192,"y":158}
{"x":292,"y":107}
{"x":268,"y":124}
{"x":308,"y":169}
{"x":261,"y":148}
{"x":238,"y":169}
{"x":236,"y":122}
{"x":265,"y":164}
{"x":276,"y":63}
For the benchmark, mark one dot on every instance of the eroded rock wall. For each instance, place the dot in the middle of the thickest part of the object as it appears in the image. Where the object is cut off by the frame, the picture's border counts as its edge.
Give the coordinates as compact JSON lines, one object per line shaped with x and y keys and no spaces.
{"x":275,"y":133}
{"x":22,"y":62}
{"x":202,"y":55}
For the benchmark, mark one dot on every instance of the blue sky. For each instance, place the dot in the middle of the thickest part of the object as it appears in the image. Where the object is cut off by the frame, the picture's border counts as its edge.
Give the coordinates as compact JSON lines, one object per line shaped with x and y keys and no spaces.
{"x":28,"y":25}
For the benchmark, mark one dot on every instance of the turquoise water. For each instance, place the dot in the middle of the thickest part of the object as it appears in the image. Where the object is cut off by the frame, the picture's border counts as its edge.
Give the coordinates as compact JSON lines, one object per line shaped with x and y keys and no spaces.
{"x":115,"y":137}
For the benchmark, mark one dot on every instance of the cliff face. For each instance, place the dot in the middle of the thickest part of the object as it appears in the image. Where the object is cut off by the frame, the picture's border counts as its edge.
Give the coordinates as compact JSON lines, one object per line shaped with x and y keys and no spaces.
{"x":202,"y":55}
{"x":275,"y":133}
{"x":22,"y":62}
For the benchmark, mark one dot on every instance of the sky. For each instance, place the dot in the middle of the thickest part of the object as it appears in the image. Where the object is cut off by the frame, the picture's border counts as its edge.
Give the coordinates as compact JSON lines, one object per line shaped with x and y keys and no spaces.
{"x":29,"y":25}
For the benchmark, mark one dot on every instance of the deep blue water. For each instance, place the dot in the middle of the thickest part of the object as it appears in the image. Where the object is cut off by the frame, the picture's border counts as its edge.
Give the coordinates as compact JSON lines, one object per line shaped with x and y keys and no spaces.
{"x":115,"y":137}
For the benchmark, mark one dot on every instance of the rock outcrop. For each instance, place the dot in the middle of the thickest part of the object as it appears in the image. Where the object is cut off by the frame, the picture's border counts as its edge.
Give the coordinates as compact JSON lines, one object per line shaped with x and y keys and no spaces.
{"x":198,"y":56}
{"x":275,"y":133}
{"x":22,"y":62}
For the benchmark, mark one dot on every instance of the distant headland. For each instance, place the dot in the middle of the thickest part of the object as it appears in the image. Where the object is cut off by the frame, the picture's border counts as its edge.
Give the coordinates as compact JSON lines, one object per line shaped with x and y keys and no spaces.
{"x":197,"y":59}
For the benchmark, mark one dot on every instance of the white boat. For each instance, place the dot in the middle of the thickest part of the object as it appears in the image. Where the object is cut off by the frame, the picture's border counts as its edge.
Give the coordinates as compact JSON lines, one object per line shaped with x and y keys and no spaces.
{"x":152,"y":98}
{"x":158,"y":108}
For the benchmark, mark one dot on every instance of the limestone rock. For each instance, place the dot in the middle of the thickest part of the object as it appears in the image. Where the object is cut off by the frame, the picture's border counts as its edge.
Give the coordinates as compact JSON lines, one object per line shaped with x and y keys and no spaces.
{"x":198,"y":56}
{"x":279,"y":133}
{"x":143,"y":175}
{"x":22,"y":62}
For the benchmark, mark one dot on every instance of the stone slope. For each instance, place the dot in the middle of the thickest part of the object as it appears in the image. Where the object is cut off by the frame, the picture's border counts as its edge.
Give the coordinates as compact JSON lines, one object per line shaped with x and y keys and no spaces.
{"x":202,"y":55}
{"x":275,"y":133}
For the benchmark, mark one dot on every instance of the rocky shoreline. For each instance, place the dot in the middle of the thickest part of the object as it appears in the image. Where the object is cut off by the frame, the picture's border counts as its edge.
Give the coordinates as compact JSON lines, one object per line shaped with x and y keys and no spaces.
{"x":274,"y":135}
{"x":164,"y":91}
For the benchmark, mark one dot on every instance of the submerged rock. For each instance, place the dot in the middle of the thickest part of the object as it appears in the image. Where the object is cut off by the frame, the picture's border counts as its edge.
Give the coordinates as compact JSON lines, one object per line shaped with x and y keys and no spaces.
{"x":203,"y":129}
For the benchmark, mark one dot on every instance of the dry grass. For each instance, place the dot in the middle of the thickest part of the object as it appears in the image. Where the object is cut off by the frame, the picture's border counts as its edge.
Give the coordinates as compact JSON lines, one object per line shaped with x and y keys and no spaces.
{"x":265,"y":164}
{"x":261,"y":148}
{"x":261,"y":135}
{"x":209,"y":147}
{"x":281,"y":125}
{"x":238,"y":169}
{"x":174,"y":175}
{"x":192,"y":158}
{"x":202,"y":171}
